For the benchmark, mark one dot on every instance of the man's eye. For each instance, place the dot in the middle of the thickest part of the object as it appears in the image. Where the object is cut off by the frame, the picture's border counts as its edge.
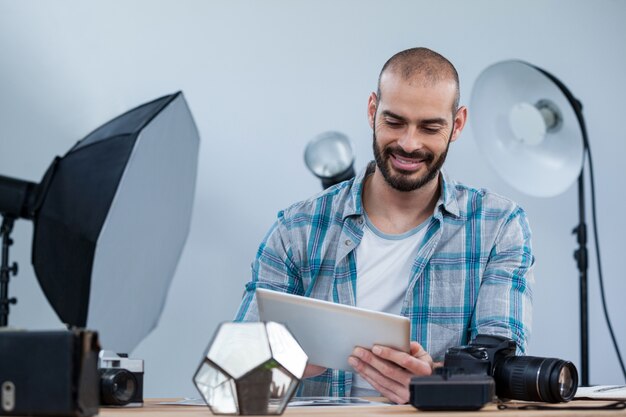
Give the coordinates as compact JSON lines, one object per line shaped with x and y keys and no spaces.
{"x":393,"y":124}
{"x":431,"y":130}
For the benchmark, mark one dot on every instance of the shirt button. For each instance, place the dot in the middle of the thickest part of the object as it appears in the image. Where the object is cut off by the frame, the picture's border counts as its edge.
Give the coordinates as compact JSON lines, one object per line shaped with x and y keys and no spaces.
{"x":360,"y":221}
{"x":348,"y":242}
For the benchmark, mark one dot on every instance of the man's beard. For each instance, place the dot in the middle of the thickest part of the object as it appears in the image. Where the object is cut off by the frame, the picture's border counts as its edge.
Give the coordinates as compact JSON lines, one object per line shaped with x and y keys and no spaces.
{"x":403,"y":181}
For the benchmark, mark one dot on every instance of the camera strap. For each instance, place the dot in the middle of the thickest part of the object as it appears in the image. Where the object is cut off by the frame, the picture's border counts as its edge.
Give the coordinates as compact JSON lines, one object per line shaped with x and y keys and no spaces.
{"x":618,"y":405}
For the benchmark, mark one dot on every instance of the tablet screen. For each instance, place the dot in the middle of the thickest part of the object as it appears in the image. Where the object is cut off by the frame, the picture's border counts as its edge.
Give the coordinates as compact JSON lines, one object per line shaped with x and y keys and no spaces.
{"x":329,"y":332}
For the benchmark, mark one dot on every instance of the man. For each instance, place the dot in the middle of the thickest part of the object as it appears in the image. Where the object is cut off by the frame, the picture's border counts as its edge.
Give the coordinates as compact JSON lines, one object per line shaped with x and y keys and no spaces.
{"x":403,"y":238}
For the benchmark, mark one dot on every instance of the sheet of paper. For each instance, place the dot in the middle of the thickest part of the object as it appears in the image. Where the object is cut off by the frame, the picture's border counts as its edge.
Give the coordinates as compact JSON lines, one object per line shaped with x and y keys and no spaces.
{"x":331,"y":402}
{"x":185,"y":401}
{"x":602,"y":392}
{"x":296,"y":402}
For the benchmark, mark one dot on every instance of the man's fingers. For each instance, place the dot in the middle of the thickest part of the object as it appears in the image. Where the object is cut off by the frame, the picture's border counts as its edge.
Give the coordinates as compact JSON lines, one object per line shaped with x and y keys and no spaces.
{"x":394,"y":395}
{"x":390,"y":371}
{"x":419,"y":352}
{"x":384,"y":367}
{"x":387,"y":387}
{"x":416,"y":365}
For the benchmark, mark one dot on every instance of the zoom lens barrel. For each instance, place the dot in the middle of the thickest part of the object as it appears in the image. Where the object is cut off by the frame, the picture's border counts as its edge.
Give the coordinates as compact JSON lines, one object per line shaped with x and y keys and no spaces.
{"x":531,"y":378}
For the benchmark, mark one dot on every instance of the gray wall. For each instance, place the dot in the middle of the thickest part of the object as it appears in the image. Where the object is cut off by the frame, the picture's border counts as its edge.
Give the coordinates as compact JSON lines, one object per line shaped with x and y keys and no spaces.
{"x":262,"y":78}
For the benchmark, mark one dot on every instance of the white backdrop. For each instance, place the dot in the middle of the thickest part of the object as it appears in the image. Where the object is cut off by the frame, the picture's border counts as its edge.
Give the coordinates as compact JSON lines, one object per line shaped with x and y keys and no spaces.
{"x":264,"y":77}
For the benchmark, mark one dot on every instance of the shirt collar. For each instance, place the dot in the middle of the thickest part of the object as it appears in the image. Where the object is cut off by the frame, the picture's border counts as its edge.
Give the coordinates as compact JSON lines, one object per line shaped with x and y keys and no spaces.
{"x":355,"y":204}
{"x":447,"y":199}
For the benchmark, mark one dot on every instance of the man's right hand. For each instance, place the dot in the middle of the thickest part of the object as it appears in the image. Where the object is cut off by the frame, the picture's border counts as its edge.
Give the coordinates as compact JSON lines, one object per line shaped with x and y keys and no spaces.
{"x":389,"y":370}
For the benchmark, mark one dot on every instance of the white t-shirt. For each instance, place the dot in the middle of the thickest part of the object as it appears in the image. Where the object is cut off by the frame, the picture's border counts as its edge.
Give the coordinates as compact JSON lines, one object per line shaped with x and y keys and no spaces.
{"x":383,"y":263}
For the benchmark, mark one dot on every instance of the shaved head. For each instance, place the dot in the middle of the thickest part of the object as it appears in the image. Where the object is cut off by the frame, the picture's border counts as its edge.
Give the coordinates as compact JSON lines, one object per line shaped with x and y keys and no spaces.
{"x":421,"y":65}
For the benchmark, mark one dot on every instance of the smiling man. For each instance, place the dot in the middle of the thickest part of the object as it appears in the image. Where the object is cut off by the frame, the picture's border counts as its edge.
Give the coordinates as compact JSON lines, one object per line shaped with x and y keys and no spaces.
{"x":403,"y":238}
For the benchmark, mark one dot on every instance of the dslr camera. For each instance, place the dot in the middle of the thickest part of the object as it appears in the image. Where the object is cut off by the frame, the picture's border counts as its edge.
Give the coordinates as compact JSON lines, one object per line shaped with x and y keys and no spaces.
{"x":121,"y":380}
{"x":472,"y":375}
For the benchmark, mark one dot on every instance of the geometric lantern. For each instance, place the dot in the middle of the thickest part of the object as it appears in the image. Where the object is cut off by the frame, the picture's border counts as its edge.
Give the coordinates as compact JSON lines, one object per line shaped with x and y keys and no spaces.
{"x":250,"y":368}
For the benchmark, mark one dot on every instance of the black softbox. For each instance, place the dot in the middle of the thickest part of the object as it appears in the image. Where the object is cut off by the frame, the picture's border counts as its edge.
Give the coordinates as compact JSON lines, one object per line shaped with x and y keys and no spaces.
{"x":111,"y":218}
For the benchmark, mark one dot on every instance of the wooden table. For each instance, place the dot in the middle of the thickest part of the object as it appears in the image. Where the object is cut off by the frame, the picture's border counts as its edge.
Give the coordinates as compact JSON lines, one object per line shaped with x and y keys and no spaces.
{"x":153,"y":409}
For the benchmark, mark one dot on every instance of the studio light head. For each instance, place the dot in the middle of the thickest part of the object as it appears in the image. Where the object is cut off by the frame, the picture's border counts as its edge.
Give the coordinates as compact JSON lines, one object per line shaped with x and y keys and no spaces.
{"x":329,"y":157}
{"x":528,"y":125}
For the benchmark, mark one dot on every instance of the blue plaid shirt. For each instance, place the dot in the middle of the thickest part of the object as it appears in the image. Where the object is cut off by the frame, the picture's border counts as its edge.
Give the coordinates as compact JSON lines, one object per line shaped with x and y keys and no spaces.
{"x":472,"y":274}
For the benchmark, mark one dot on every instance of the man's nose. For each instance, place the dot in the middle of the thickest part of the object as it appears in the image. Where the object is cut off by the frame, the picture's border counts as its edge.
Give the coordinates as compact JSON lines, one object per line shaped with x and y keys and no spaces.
{"x":411,"y":139}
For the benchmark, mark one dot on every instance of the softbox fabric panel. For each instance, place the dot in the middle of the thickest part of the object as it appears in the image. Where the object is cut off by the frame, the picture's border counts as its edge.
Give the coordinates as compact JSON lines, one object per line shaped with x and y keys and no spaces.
{"x":128,"y":124}
{"x":78,"y":198}
{"x":91,"y":246}
{"x":143,"y":236}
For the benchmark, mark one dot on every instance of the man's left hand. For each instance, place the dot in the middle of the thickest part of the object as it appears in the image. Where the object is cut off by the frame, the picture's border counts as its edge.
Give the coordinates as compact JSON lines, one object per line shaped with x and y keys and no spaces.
{"x":389,"y":371}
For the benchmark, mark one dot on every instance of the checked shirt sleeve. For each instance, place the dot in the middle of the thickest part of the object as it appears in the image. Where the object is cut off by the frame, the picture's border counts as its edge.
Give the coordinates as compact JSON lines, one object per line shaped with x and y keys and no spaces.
{"x":504,"y":305}
{"x":274,"y":268}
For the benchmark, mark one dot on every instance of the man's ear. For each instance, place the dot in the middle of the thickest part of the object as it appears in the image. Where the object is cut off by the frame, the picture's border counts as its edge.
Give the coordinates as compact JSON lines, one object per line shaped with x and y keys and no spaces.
{"x":371,"y":108}
{"x":459,"y":122}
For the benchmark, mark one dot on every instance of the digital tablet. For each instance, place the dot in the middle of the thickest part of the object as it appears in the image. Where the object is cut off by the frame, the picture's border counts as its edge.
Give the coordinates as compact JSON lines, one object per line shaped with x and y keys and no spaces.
{"x":329,"y":332}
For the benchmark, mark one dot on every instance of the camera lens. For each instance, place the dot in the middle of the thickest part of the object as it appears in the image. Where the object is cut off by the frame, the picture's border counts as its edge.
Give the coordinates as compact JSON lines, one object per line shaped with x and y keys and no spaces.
{"x":117,"y":386}
{"x":533,"y":378}
{"x":568,"y":384}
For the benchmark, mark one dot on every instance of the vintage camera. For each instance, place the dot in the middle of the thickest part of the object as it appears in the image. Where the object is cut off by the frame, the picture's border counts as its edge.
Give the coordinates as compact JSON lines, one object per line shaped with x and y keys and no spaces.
{"x":472,"y":374}
{"x":121,"y":380}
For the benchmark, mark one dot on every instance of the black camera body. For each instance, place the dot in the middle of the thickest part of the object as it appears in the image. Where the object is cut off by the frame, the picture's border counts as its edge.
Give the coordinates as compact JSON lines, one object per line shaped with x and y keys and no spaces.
{"x":121,"y":380}
{"x":473,"y":375}
{"x":49,"y":373}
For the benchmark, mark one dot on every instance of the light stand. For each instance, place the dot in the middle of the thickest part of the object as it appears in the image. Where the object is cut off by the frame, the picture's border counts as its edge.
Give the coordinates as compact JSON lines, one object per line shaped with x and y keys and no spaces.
{"x":16,"y":200}
{"x":580,"y":255}
{"x":539,"y":148}
{"x":6,"y":270}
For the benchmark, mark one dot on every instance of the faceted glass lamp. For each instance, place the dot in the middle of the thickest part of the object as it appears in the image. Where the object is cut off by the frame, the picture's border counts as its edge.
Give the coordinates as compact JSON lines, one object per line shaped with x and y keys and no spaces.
{"x":250,"y":368}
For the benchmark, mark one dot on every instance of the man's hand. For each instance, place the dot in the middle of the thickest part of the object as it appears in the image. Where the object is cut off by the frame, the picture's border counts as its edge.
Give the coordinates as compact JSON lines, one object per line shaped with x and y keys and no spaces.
{"x":389,"y":371}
